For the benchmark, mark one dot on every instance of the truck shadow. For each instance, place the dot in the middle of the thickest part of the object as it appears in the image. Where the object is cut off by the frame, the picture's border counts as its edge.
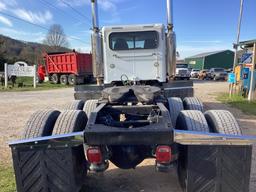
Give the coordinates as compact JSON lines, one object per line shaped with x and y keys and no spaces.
{"x":142,"y":179}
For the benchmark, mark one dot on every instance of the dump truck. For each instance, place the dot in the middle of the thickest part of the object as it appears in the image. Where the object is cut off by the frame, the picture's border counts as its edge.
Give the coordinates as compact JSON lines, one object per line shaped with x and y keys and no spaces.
{"x":67,"y":68}
{"x":135,"y":112}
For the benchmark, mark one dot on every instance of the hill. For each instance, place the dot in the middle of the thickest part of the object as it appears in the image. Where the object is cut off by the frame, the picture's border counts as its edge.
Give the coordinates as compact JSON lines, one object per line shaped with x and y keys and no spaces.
{"x":12,"y":50}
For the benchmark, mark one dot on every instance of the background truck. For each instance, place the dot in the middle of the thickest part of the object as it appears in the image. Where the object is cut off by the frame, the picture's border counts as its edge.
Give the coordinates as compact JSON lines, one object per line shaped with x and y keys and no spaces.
{"x":182,"y":71}
{"x":137,"y":116}
{"x":218,"y":74}
{"x":67,"y":68}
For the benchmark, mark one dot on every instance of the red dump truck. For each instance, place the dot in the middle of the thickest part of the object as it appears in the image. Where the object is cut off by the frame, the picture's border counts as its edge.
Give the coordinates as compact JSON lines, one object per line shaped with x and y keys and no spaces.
{"x":67,"y":68}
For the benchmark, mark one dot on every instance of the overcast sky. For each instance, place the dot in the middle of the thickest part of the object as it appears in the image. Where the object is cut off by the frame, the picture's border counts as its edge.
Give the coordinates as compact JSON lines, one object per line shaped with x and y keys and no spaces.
{"x":200,"y":25}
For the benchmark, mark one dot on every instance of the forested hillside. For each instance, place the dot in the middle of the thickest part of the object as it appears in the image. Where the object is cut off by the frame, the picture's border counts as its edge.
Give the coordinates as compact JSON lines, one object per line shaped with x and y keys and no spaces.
{"x":12,"y":50}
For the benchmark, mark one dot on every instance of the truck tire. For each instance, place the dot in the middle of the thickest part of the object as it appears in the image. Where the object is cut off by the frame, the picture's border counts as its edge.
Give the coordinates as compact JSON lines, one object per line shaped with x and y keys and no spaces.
{"x":193,"y":103}
{"x":213,"y":168}
{"x":222,"y":121}
{"x":75,"y":105}
{"x":72,"y":79}
{"x":175,"y":107}
{"x":55,"y":79}
{"x":89,"y":106}
{"x":64,"y":79}
{"x":40,"y":124}
{"x":70,"y":121}
{"x":191,"y":120}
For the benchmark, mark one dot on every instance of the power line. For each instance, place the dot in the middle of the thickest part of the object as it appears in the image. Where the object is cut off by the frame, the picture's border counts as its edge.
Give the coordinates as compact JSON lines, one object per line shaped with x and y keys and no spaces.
{"x":40,"y":26}
{"x":78,"y":12}
{"x":64,"y":12}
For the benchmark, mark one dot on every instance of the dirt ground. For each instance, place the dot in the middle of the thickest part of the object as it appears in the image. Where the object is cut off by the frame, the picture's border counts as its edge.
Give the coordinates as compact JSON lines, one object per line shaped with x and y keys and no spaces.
{"x":16,"y":107}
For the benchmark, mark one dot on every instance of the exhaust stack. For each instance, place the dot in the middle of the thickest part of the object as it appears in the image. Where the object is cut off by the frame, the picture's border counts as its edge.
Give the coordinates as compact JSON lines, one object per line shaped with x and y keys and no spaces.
{"x":97,"y":56}
{"x":170,"y":14}
{"x":171,"y":41}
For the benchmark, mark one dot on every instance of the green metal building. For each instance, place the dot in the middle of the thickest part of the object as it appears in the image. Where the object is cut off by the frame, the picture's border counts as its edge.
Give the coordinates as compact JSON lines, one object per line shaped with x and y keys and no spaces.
{"x":218,"y":59}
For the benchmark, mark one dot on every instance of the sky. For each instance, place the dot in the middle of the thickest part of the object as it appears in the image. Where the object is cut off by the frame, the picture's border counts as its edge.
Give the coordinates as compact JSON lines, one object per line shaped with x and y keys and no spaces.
{"x":200,"y":25}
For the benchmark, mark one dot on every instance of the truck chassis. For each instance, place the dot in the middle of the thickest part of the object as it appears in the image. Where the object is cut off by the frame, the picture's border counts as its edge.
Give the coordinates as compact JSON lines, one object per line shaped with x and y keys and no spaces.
{"x":126,"y":126}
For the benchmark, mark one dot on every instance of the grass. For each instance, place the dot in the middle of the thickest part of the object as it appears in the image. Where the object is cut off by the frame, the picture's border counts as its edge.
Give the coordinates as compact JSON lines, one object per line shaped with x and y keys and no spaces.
{"x":7,"y":179}
{"x":28,"y":82}
{"x":239,"y":102}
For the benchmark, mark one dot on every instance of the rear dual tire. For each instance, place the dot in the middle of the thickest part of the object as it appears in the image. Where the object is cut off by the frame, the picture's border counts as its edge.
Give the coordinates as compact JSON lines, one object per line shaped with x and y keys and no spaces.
{"x":72,"y":79}
{"x":55,"y":78}
{"x":53,"y":169}
{"x":212,"y":168}
{"x":75,"y":105}
{"x":64,"y":79}
{"x":89,"y":106}
{"x":176,"y":105}
{"x":193,"y":103}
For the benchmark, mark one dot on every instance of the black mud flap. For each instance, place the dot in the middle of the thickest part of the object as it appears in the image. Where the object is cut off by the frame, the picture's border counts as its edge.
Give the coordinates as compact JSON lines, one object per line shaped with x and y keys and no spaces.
{"x":87,"y":92}
{"x":48,"y":170}
{"x":178,"y":89}
{"x":218,"y":168}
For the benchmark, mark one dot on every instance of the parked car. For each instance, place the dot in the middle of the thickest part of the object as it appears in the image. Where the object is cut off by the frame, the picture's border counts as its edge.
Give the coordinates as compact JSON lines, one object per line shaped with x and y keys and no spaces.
{"x":218,"y":74}
{"x":230,"y":70}
{"x":194,"y":73}
{"x":203,"y":74}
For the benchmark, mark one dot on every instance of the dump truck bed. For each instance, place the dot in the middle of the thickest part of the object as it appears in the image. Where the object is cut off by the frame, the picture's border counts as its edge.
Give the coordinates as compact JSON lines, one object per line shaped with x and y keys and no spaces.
{"x":69,"y":63}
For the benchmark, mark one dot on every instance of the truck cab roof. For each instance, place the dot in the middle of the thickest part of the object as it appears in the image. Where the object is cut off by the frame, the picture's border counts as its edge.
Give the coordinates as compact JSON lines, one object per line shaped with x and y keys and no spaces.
{"x":141,"y":27}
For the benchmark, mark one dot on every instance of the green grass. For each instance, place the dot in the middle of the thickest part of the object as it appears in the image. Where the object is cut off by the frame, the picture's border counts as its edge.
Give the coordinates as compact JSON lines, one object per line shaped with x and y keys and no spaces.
{"x":239,"y":102}
{"x":7,"y":179}
{"x":28,"y":82}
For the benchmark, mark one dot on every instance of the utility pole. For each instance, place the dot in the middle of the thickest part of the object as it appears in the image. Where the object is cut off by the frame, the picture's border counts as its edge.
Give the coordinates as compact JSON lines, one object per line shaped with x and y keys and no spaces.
{"x":238,"y":33}
{"x":252,"y":83}
{"x":236,"y":45}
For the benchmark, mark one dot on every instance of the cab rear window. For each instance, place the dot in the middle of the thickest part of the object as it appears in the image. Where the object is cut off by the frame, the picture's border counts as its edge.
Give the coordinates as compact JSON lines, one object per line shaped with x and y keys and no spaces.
{"x":133,"y":40}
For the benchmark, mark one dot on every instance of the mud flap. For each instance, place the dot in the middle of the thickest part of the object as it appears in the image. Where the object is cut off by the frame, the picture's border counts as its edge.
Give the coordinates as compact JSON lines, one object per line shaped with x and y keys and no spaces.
{"x":218,"y":168}
{"x":178,"y":89}
{"x":48,"y":170}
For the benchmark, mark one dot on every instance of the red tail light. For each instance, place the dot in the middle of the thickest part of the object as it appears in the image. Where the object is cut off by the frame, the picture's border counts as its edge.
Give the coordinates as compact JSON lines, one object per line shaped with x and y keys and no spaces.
{"x":94,"y":155}
{"x":163,"y":154}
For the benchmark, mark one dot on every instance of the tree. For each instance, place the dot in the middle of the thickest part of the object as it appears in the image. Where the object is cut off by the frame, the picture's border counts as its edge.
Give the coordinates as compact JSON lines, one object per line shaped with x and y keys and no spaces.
{"x":56,"y":37}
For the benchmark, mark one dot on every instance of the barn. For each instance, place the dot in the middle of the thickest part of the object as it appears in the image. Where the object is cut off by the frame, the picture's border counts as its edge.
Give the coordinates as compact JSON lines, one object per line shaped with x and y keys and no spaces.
{"x":217,"y":59}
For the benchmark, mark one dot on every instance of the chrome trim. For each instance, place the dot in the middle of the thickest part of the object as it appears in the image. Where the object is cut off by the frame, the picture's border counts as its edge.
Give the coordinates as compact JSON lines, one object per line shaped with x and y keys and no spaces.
{"x":64,"y":140}
{"x":175,"y":88}
{"x":203,"y":138}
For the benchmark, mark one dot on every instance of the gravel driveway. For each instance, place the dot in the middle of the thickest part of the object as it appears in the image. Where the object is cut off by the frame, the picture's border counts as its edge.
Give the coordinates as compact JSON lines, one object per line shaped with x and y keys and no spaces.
{"x":16,"y":107}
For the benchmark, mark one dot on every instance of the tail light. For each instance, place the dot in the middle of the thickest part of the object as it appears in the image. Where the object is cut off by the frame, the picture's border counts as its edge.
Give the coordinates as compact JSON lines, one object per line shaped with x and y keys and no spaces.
{"x":163,"y":154}
{"x":94,"y":155}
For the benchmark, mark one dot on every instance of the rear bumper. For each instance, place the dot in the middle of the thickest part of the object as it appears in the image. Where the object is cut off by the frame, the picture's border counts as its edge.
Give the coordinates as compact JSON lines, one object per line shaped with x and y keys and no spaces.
{"x":182,"y":75}
{"x":138,"y":136}
{"x":103,"y":135}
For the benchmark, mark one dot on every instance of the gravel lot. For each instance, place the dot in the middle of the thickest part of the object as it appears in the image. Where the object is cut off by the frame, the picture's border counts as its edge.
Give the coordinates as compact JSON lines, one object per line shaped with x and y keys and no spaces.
{"x":16,"y":107}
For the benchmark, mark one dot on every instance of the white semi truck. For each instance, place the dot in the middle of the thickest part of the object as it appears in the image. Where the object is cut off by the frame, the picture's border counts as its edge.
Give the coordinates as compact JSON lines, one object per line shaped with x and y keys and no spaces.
{"x":138,"y":115}
{"x":182,"y":71}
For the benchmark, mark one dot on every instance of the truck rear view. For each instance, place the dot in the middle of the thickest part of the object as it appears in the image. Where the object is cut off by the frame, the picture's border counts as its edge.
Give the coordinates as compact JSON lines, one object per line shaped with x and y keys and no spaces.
{"x":139,"y":115}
